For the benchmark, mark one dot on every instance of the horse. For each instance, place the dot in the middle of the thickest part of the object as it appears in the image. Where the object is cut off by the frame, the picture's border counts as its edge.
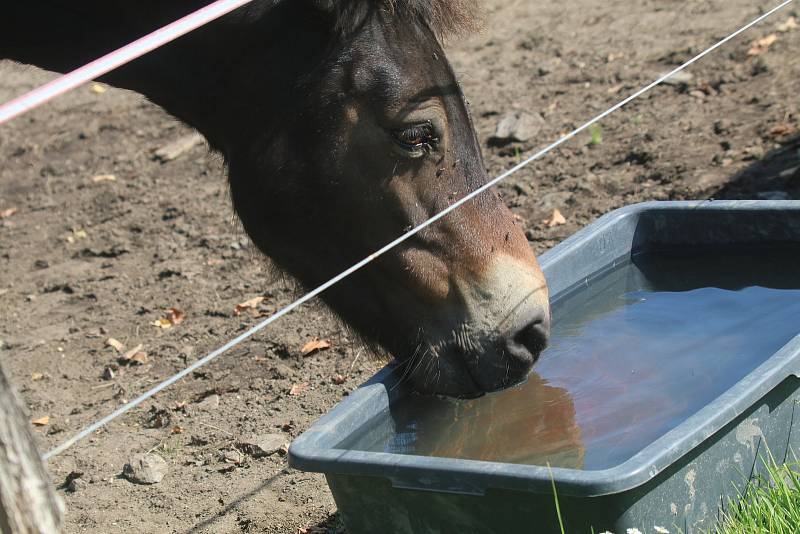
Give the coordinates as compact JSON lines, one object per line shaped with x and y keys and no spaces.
{"x":342,"y":125}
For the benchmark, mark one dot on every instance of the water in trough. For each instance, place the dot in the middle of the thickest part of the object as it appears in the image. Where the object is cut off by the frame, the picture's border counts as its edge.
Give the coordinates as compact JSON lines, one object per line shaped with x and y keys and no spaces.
{"x":634,"y":352}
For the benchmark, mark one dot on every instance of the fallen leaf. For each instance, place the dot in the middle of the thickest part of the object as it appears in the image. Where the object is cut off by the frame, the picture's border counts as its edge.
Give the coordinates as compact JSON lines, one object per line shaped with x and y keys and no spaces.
{"x":98,"y":88}
{"x":782,"y":129}
{"x":42,"y":421}
{"x":135,"y":355}
{"x":556,"y":219}
{"x":36,"y":376}
{"x":787,"y":26}
{"x":759,"y":46}
{"x":111,"y":342}
{"x":162,"y":322}
{"x":8,"y":212}
{"x":339,"y":380}
{"x":128,"y":355}
{"x":177,"y":429}
{"x":299,"y":389}
{"x":76,"y":234}
{"x":251,"y":305}
{"x":315,"y":345}
{"x":104,"y":178}
{"x":175,"y":316}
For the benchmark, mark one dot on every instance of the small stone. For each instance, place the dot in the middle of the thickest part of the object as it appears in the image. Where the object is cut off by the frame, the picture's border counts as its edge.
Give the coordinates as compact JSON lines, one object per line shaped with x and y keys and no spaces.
{"x":682,"y":77}
{"x":177,"y":147}
{"x":517,"y":126}
{"x":108,"y":373}
{"x":145,"y":469}
{"x":77,"y":484}
{"x":773,"y":195}
{"x":232,"y":457}
{"x":209,"y":403}
{"x":281,"y":370}
{"x":262,"y":445}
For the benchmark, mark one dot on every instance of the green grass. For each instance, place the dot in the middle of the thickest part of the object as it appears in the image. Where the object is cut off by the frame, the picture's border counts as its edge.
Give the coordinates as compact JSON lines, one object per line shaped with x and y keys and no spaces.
{"x":769,"y":504}
{"x":595,"y":135}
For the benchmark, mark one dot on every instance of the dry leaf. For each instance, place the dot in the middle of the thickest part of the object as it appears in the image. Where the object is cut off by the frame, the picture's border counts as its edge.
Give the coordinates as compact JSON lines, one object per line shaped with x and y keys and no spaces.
{"x":175,"y":316}
{"x":135,"y":355}
{"x":36,"y":376}
{"x":98,"y":88}
{"x":42,"y":421}
{"x":251,"y":305}
{"x":161,"y":322}
{"x":8,"y":212}
{"x":760,"y":46}
{"x":177,"y":429}
{"x":128,"y":355}
{"x":76,"y":234}
{"x":299,"y":389}
{"x":782,"y":128}
{"x":789,"y":25}
{"x":104,"y":178}
{"x":111,"y":342}
{"x":556,"y":219}
{"x":315,"y":345}
{"x":339,"y":380}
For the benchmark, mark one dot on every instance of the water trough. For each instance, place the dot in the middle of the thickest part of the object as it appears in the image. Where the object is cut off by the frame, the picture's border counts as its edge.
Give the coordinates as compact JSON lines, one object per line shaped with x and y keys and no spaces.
{"x":673,"y":368}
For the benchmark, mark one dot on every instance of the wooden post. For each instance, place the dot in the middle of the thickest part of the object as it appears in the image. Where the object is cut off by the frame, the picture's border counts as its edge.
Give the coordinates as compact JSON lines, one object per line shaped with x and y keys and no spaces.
{"x":28,"y":502}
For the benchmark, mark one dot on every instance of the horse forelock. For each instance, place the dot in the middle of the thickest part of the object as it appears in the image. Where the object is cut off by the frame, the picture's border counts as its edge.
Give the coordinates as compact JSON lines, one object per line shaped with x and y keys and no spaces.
{"x":443,"y":17}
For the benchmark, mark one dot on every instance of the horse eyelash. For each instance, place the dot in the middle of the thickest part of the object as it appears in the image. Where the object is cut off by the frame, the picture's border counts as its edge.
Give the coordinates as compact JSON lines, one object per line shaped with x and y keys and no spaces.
{"x":422,"y":131}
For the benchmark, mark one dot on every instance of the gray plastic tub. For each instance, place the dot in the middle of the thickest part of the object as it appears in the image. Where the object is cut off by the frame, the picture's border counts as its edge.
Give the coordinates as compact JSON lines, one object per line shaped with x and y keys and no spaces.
{"x":678,"y":483}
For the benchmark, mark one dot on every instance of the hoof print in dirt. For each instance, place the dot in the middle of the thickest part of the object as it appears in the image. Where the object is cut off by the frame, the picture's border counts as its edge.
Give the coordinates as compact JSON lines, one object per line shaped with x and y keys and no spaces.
{"x":516,"y":126}
{"x":145,"y":469}
{"x":262,"y":445}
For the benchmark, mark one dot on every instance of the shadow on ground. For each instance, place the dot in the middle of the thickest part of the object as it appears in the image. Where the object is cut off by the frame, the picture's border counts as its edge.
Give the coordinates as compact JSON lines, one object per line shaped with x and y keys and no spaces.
{"x":775,"y":176}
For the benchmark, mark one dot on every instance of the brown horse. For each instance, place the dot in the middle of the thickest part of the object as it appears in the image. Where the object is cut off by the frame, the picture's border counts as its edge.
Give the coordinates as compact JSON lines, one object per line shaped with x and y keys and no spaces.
{"x":342,"y":125}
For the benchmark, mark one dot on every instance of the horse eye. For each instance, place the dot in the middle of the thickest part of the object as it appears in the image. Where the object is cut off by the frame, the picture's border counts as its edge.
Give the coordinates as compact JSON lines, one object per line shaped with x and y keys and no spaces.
{"x":416,"y":137}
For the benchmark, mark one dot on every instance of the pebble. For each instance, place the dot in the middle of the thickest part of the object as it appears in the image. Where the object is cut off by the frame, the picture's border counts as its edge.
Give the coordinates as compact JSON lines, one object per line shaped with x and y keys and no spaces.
{"x":680,"y":78}
{"x":518,"y":126}
{"x":77,"y":484}
{"x":177,"y":147}
{"x":145,"y":469}
{"x":262,"y":445}
{"x":209,"y":403}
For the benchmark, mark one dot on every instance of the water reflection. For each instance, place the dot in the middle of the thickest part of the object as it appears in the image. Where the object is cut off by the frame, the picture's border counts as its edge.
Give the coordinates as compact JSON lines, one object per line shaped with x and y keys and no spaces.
{"x":530,"y":424}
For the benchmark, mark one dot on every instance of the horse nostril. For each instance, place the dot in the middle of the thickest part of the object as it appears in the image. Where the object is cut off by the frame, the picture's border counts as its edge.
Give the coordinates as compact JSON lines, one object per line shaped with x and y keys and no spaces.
{"x":526,"y":343}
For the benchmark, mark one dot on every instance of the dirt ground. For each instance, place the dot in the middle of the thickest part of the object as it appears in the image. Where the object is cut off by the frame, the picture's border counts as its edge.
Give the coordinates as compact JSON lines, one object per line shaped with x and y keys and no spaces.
{"x":84,"y":260}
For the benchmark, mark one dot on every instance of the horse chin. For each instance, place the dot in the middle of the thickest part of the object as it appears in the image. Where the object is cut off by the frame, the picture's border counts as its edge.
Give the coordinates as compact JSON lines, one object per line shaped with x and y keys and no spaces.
{"x":447,"y":381}
{"x":451,"y":371}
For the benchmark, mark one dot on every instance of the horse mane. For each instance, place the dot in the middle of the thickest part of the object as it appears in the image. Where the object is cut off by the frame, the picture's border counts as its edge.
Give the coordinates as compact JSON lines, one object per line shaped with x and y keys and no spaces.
{"x":443,"y":17}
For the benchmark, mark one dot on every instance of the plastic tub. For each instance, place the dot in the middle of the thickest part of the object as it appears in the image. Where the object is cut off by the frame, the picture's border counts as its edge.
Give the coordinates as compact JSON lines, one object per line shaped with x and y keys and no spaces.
{"x":679,"y":482}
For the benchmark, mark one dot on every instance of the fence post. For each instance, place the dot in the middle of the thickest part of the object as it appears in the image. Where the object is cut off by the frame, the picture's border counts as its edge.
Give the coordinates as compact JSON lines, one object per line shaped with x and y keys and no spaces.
{"x":28,"y":502}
